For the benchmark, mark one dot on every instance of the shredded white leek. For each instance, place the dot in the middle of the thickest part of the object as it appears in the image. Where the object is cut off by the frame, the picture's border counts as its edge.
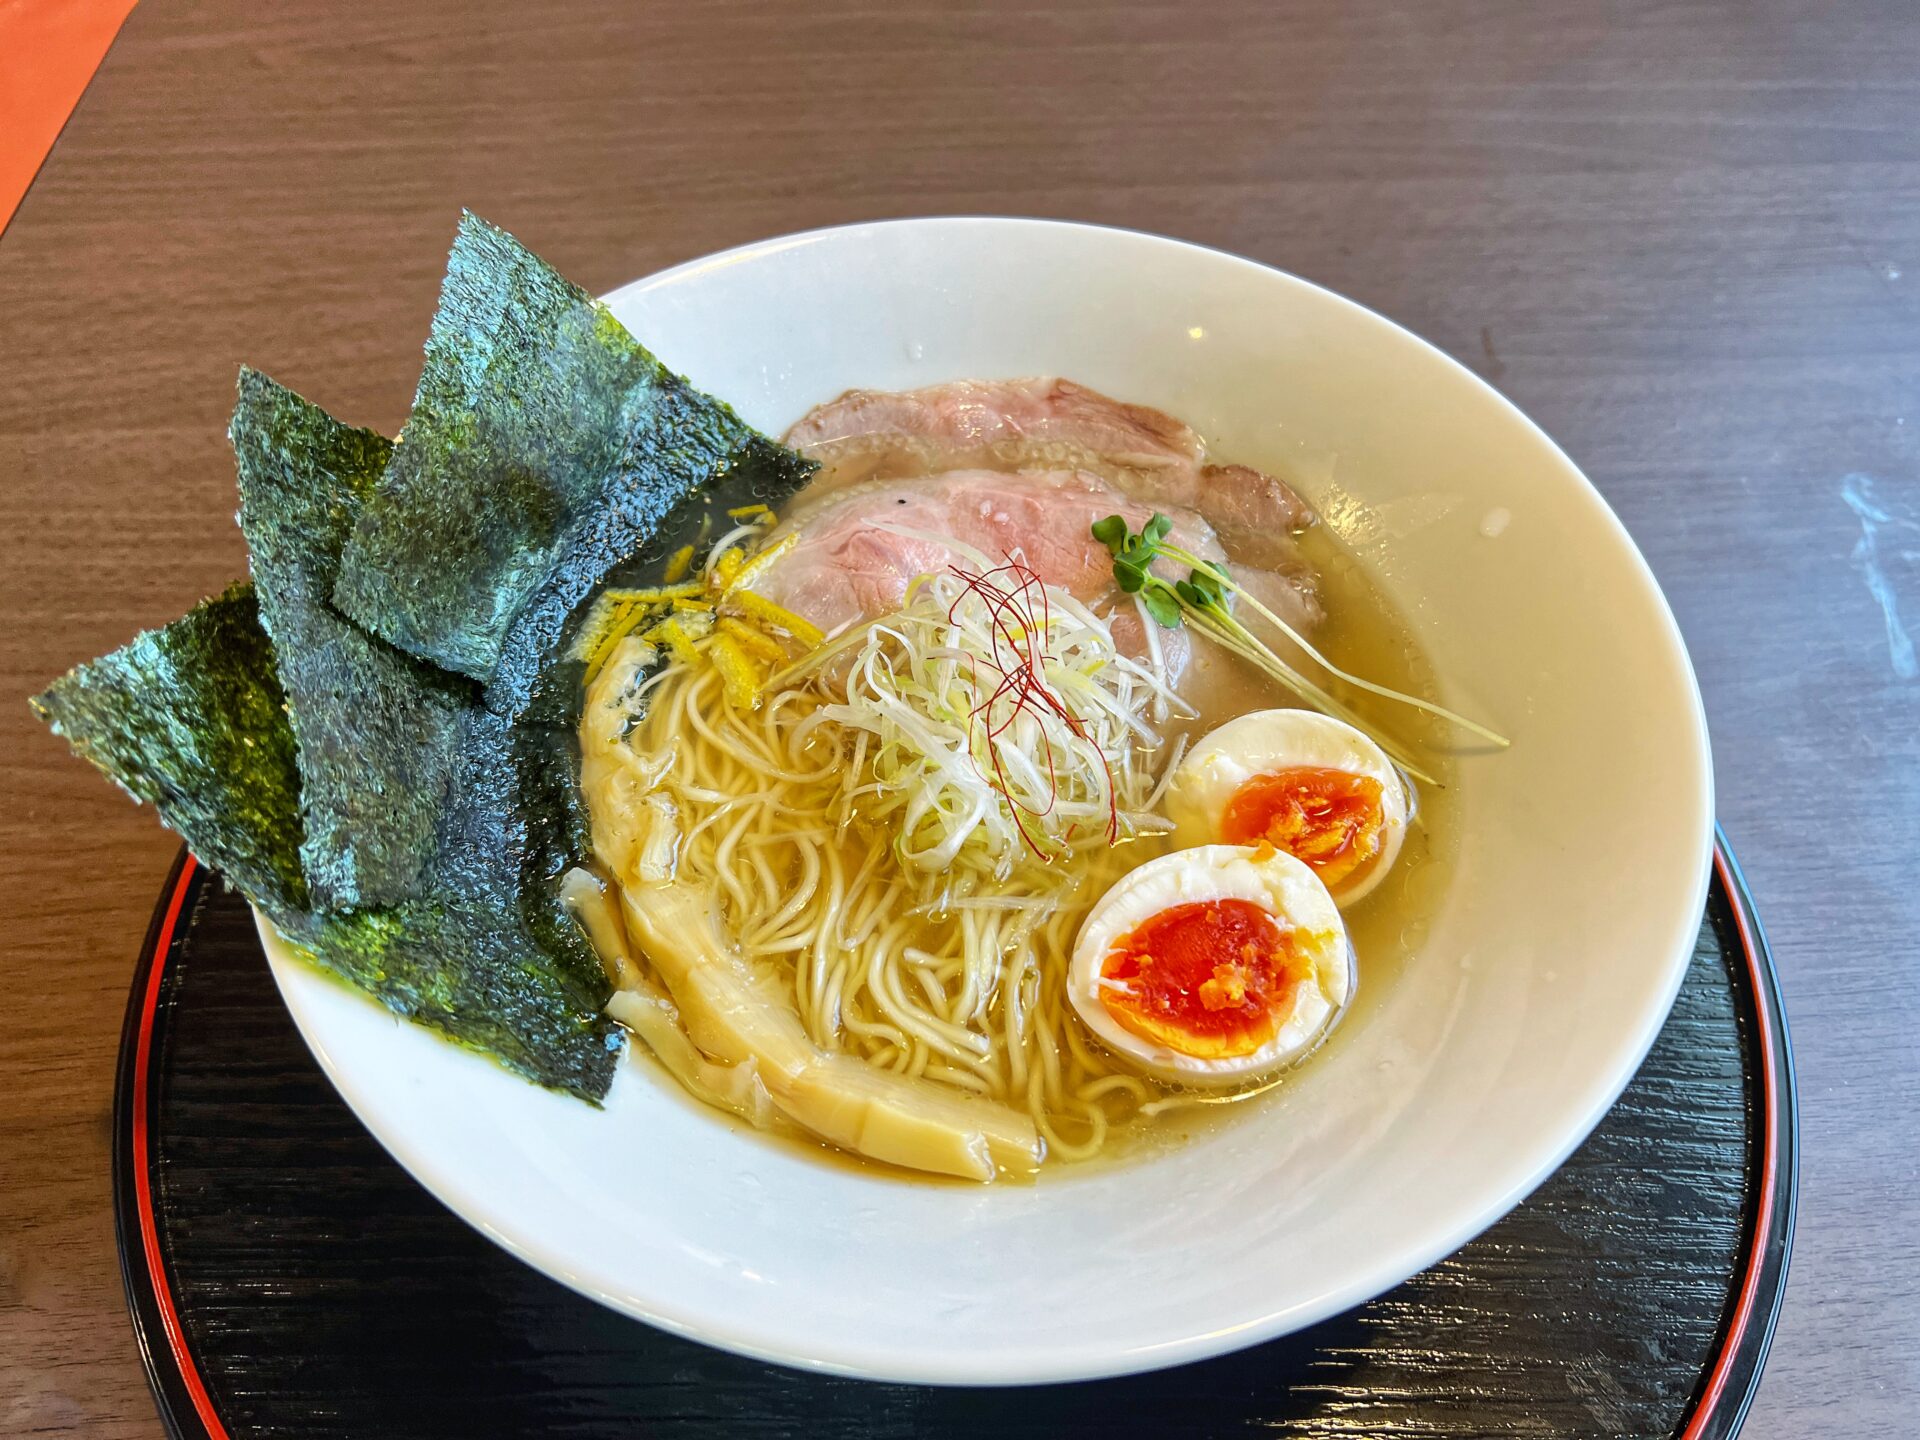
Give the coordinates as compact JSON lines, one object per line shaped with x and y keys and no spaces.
{"x":974,"y":785}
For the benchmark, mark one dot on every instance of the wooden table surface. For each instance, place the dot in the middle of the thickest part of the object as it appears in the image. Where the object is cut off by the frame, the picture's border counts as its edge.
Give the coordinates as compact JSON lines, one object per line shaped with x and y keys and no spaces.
{"x":1683,"y":237}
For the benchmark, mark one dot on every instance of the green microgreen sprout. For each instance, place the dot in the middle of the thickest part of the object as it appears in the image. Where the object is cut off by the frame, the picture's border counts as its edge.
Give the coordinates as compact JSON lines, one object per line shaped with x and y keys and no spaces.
{"x":1205,"y":601}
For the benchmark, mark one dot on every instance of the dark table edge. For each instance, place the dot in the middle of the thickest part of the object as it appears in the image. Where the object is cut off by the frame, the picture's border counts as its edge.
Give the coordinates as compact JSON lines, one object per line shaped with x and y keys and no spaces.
{"x":186,"y":1408}
{"x":1716,"y":1412}
{"x":1727,"y":1393}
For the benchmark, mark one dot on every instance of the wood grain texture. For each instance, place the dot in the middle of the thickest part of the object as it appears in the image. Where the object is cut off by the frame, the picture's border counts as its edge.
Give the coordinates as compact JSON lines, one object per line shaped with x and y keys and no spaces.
{"x":1590,"y":1313}
{"x":1684,"y":237}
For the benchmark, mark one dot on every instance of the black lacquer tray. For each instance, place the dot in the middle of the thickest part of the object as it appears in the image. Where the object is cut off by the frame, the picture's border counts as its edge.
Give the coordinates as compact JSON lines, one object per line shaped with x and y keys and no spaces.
{"x":287,"y":1278}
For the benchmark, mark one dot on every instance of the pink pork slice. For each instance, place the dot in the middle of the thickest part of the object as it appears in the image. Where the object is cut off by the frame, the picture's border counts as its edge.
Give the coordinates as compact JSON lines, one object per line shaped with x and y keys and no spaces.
{"x":1051,"y":423}
{"x":850,"y":568}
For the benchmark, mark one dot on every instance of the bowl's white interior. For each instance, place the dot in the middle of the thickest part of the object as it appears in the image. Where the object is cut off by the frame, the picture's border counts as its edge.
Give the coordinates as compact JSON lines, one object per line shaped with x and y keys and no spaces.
{"x":1551,"y":962}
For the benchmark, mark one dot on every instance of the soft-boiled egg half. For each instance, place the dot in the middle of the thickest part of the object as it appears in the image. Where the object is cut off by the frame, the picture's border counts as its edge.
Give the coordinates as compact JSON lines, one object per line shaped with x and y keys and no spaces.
{"x":1212,"y":966}
{"x":1304,"y":783}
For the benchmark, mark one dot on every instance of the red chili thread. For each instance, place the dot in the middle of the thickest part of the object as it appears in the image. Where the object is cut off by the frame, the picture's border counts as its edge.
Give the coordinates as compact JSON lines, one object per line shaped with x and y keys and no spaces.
{"x":1019,"y":623}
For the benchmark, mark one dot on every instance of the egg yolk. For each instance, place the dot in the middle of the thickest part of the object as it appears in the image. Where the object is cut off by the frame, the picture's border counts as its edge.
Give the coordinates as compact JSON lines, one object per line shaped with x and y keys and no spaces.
{"x":1211,"y":980}
{"x":1331,"y":819}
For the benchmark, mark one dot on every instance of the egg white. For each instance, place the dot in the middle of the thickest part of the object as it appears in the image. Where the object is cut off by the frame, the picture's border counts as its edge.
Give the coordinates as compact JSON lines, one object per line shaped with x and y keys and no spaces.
{"x":1264,"y":741}
{"x":1279,"y":884}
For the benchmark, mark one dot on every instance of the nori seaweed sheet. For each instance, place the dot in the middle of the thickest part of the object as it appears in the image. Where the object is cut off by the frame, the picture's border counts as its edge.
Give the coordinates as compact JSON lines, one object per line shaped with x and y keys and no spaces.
{"x":490,"y":959}
{"x":190,"y":719}
{"x":375,"y":727}
{"x":548,"y":455}
{"x":472,"y":972}
{"x":536,"y":698}
{"x":538,"y":417}
{"x":626,"y":541}
{"x":539,"y":687}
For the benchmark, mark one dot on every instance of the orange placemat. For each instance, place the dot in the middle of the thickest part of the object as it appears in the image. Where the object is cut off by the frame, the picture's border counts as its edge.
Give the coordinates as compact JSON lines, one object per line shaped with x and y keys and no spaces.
{"x":49,"y":50}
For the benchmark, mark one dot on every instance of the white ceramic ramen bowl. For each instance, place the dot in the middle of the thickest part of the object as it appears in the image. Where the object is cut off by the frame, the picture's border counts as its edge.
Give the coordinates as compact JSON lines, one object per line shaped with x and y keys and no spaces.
{"x":1550,"y":961}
